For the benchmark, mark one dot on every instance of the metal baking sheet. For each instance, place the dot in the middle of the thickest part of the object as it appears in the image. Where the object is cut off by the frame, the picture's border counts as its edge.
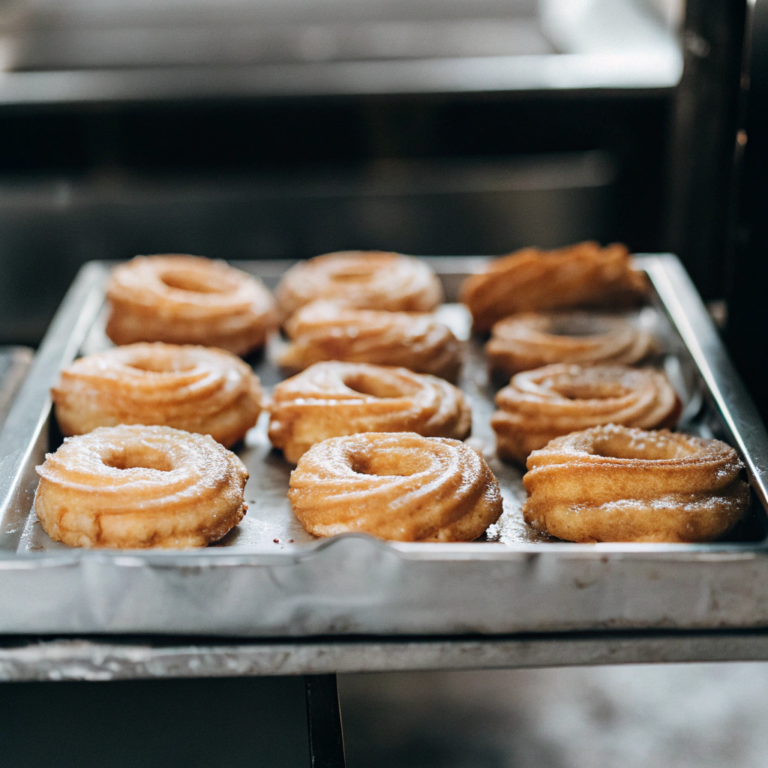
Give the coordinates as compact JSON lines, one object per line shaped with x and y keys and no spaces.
{"x":270,"y":578}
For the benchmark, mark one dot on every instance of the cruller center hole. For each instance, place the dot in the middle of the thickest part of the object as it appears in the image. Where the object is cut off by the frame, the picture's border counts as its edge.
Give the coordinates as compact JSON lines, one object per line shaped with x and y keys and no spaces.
{"x":389,"y":464}
{"x":193,"y":283}
{"x":138,"y":458}
{"x":649,"y":450}
{"x":576,"y":327}
{"x":604,"y":390}
{"x":374,"y":387}
{"x":350,"y":276}
{"x":365,"y":469}
{"x":160,"y":365}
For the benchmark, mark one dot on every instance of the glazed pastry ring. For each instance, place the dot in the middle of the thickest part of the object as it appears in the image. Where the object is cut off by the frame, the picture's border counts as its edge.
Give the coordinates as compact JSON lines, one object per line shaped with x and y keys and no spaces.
{"x":542,"y":404}
{"x":137,"y":487}
{"x":612,"y":483}
{"x":188,"y":300}
{"x":362,"y":279}
{"x":332,"y":399}
{"x":532,"y":280}
{"x":533,"y":339}
{"x":403,"y":487}
{"x":323,"y":330}
{"x":197,"y":389}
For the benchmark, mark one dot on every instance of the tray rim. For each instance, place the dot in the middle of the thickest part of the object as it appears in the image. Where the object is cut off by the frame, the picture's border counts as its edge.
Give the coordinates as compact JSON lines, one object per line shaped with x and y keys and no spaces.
{"x":677,"y":297}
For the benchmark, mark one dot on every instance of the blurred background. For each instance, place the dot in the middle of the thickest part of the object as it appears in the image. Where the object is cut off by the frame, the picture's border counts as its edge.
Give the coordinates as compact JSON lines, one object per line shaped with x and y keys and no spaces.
{"x":245,"y":129}
{"x":271,"y":129}
{"x":675,"y":716}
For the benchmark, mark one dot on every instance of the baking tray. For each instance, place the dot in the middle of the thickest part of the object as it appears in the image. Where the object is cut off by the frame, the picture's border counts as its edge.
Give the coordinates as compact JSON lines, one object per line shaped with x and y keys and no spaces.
{"x":271,"y":579}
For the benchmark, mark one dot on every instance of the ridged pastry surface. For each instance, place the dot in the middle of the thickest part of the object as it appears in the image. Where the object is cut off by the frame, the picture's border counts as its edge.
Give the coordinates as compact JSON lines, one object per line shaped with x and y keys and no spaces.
{"x":332,"y":399}
{"x":325,"y":331}
{"x":134,"y":487}
{"x":402,"y":487}
{"x":188,"y":300}
{"x":545,"y":403}
{"x":197,"y":389}
{"x":612,"y":483}
{"x":361,"y":279}
{"x":535,"y":339}
{"x":531,"y":280}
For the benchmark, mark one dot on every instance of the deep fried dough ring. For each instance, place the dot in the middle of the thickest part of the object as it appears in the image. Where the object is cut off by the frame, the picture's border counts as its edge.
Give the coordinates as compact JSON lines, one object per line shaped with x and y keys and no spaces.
{"x":530,"y":280}
{"x":361,"y":279}
{"x":133,"y":487}
{"x":197,"y":389}
{"x":325,"y":331}
{"x":395,"y":486}
{"x":188,"y":300}
{"x":332,"y":399}
{"x":534,"y":339}
{"x":540,"y":405}
{"x":612,"y":483}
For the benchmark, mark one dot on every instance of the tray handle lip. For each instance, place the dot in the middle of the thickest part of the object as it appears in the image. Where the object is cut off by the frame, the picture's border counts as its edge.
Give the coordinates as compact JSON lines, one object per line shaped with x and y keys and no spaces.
{"x":30,"y":410}
{"x":687,"y":313}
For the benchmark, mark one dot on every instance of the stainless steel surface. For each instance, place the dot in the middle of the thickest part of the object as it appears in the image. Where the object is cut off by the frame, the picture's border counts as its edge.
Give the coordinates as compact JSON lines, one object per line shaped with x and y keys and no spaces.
{"x":103,"y":660}
{"x":353,"y":584}
{"x":743,"y":426}
{"x":70,"y":52}
{"x":560,"y":72}
{"x":14,"y":364}
{"x":243,"y":38}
